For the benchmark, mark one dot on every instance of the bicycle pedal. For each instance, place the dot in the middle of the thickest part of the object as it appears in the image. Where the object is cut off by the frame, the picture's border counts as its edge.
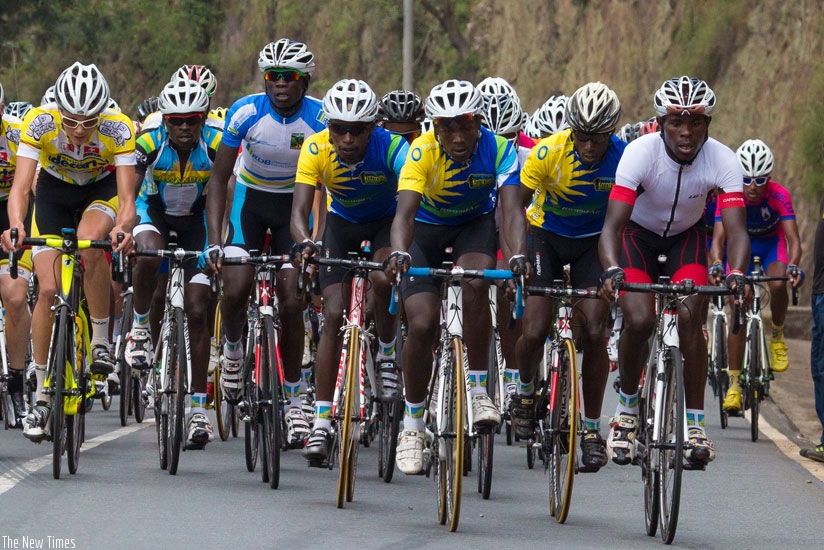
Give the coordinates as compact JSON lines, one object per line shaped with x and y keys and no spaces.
{"x":694,"y":467}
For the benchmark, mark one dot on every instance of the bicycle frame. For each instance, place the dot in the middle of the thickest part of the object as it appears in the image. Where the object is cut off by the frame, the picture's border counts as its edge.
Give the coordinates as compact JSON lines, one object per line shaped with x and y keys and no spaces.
{"x":174,"y":302}
{"x":755,"y":329}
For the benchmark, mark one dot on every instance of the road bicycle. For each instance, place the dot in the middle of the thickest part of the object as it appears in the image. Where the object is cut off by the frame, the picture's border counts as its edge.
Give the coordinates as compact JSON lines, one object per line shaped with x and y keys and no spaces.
{"x":352,"y":410}
{"x":496,"y":374}
{"x":263,"y":398}
{"x":453,"y":427}
{"x":226,"y":413}
{"x":69,"y":382}
{"x":169,"y":378}
{"x":756,"y":372}
{"x":558,"y":420}
{"x":132,"y":382}
{"x":662,"y":438}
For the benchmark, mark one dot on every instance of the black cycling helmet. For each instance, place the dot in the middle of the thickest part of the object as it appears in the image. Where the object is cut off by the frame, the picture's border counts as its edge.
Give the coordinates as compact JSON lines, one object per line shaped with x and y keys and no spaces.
{"x":146,"y":108}
{"x":401,"y":106}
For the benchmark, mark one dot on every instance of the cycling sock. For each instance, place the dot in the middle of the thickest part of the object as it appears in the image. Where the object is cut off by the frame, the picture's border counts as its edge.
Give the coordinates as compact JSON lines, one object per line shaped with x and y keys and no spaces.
{"x":233,"y":350}
{"x":592,"y":425}
{"x":627,"y":403}
{"x":305,"y":378}
{"x":40,"y":373}
{"x":695,"y":418}
{"x":477,"y":382}
{"x":512,"y":376}
{"x":100,"y":332}
{"x":292,"y":391}
{"x":526,"y":388}
{"x":198,"y":401}
{"x":734,"y":375}
{"x":386,"y":350}
{"x":141,"y":320}
{"x":413,"y":416}
{"x":307,"y":320}
{"x":323,"y":415}
{"x":778,"y":332}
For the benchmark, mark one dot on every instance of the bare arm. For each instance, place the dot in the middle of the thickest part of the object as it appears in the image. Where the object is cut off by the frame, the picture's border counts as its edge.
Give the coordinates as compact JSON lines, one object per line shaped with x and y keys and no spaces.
{"x":609,"y":245}
{"x":18,"y":202}
{"x":793,"y":247}
{"x":738,"y":242}
{"x":301,"y":208}
{"x":126,"y":210}
{"x":719,"y":239}
{"x":216,"y":197}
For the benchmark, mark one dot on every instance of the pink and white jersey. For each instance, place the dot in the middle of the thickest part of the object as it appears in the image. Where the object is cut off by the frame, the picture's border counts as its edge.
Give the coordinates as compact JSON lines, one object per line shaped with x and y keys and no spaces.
{"x":671,"y":197}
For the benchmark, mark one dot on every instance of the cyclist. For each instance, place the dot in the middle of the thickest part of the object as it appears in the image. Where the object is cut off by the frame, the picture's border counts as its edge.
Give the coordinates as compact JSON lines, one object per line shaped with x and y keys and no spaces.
{"x":17,"y":314}
{"x":270,"y":128}
{"x":566,"y":182}
{"x":774,"y":238}
{"x":173,"y":165}
{"x":146,"y":107}
{"x":18,"y":108}
{"x":549,"y":118}
{"x":677,"y":168}
{"x":446,"y":196}
{"x":358,"y":164}
{"x":48,"y":96}
{"x":401,"y":112}
{"x":87,"y":155}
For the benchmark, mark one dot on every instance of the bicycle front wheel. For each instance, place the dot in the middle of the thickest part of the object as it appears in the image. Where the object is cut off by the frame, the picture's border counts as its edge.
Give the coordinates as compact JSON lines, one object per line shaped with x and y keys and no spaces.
{"x":75,"y":425}
{"x":177,"y":376}
{"x":349,"y":422}
{"x":646,"y":454}
{"x":753,"y":388}
{"x":452,"y":440}
{"x":564,"y":428}
{"x":273,"y":429}
{"x":126,"y":381}
{"x":251,"y":424}
{"x":223,"y":410}
{"x":718,"y":364}
{"x":161,"y":402}
{"x":389,"y":423}
{"x":61,"y":356}
{"x":671,"y":454}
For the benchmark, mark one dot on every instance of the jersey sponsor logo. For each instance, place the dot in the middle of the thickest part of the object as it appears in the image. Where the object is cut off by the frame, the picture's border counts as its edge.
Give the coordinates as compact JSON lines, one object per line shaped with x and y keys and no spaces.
{"x":321,"y":116}
{"x":74,"y":165}
{"x":13,"y":135}
{"x":68,"y":147}
{"x":765,"y":213}
{"x":4,"y":157}
{"x":373,"y":178}
{"x":118,"y":131}
{"x":542,"y":152}
{"x":141,"y":157}
{"x":41,"y":125}
{"x":90,"y":150}
{"x":313,"y":148}
{"x":479,"y":181}
{"x":240,"y":117}
{"x":296,"y":141}
{"x":416,"y":154}
{"x":603,"y":184}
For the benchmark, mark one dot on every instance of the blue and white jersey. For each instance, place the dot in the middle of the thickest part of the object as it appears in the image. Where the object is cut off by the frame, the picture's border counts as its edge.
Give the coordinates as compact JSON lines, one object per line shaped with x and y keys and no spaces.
{"x":270,"y":144}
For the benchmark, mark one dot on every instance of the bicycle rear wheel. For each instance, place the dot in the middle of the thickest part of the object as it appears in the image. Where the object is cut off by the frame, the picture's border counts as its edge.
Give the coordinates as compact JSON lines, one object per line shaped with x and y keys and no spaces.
{"x":564,"y":428}
{"x":718,"y":364}
{"x":138,"y":386}
{"x":59,"y":363}
{"x":389,"y":424}
{"x":223,"y":410}
{"x":348,"y":421}
{"x":126,"y":381}
{"x":177,"y":403}
{"x":251,"y":425}
{"x":671,"y":455}
{"x":273,"y":430}
{"x":753,"y":388}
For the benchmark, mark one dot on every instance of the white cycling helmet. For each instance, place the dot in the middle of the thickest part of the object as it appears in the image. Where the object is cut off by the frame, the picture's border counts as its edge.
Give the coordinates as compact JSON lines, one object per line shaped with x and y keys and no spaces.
{"x":1,"y":94}
{"x":496,"y":86}
{"x":627,"y":132}
{"x":755,"y":158}
{"x":593,"y":109}
{"x":18,"y":108}
{"x":684,"y":96}
{"x":350,"y":100}
{"x":48,"y":96}
{"x":112,"y":104}
{"x":454,"y":98}
{"x":550,"y":118}
{"x":82,"y":90}
{"x":286,"y":54}
{"x":502,"y":114}
{"x":183,"y":96}
{"x":200,"y":74}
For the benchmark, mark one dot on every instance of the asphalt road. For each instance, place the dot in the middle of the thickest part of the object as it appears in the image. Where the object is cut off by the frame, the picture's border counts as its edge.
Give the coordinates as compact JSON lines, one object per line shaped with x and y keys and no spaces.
{"x":752,"y":496}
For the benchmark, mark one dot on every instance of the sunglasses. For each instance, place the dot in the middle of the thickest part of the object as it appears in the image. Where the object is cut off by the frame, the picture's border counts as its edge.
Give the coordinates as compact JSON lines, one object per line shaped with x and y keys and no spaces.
{"x":180,"y":120}
{"x":463,"y":121}
{"x":72,"y":123}
{"x":287,"y":75}
{"x":759,"y":181}
{"x":595,"y":138}
{"x":353,"y":130}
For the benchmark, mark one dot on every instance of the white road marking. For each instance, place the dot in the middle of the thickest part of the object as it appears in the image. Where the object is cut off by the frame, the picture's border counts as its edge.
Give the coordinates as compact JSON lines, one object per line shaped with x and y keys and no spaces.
{"x":790,"y":449}
{"x":17,"y":474}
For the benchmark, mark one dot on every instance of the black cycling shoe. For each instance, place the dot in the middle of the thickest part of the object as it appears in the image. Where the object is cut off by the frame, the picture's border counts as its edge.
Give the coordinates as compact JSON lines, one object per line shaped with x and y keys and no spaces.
{"x":593,"y":452}
{"x":390,"y":382}
{"x":522,"y":414}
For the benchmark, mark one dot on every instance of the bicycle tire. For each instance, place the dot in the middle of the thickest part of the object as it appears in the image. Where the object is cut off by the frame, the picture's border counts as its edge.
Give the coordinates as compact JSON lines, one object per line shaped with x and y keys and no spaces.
{"x":646,"y":412}
{"x":126,"y":382}
{"x":389,"y":426}
{"x":443,"y":448}
{"x":161,"y":404}
{"x":76,"y":422}
{"x":564,"y":428}
{"x":274,"y":432}
{"x":251,"y":432}
{"x":177,"y":408}
{"x":754,"y":380}
{"x":671,"y":455}
{"x":138,"y":386}
{"x":348,"y":426}
{"x":6,"y":409}
{"x":223,"y":410}
{"x":62,"y":348}
{"x":720,"y":367}
{"x":486,"y":448}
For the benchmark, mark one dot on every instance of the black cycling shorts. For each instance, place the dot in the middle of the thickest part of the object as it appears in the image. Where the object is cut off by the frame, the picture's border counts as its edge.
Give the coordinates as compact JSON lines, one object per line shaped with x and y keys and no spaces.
{"x":686,"y":254}
{"x":341,"y":237}
{"x":549,"y":253}
{"x":253,"y":213}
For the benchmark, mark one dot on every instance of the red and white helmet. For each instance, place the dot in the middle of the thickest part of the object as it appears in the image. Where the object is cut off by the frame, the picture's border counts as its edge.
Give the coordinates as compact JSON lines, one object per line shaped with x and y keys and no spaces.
{"x":200,"y":74}
{"x":684,"y":96}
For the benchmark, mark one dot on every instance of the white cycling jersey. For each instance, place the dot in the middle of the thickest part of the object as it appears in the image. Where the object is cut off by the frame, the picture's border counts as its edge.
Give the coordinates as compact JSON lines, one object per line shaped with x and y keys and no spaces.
{"x":671,"y":197}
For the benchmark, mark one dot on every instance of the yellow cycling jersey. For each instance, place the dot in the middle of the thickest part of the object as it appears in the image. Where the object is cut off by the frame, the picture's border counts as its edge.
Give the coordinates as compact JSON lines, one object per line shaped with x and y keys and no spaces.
{"x":9,"y":140}
{"x":43,"y":139}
